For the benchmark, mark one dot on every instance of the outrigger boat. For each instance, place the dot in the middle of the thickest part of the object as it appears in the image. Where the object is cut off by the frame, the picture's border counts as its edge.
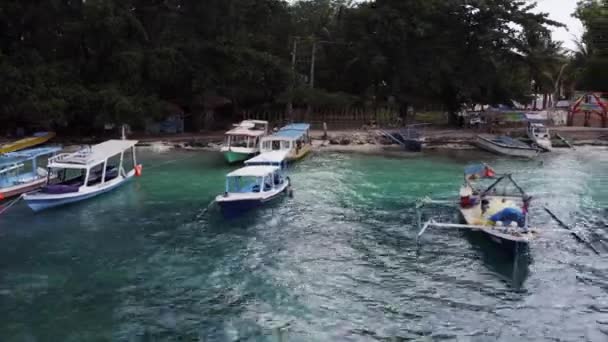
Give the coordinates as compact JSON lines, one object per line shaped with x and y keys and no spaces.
{"x":294,"y":138}
{"x":84,"y":174}
{"x":503,"y":218}
{"x":540,"y":136}
{"x":243,"y":141}
{"x":506,"y":146}
{"x":261,"y":181}
{"x":37,"y":139}
{"x":19,"y":171}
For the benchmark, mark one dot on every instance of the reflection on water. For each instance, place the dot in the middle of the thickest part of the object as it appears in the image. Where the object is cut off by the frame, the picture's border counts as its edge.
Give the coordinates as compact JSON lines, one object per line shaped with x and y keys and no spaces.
{"x":338,"y":262}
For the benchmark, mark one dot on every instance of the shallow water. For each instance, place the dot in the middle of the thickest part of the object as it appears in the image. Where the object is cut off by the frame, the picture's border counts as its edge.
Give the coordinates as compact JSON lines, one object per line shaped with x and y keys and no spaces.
{"x":338,"y":262}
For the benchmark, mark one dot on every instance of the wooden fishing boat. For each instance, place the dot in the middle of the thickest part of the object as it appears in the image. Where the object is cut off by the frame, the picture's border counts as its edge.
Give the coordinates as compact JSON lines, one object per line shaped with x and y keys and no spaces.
{"x":251,"y":187}
{"x":501,"y":217}
{"x":294,"y":138}
{"x":37,"y":139}
{"x":19,"y":171}
{"x":243,"y":141}
{"x":540,"y":136}
{"x":506,"y":146}
{"x":85,"y":174}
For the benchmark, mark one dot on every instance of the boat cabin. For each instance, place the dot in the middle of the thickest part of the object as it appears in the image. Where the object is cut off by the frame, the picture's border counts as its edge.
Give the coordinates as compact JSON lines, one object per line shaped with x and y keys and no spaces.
{"x":539,"y":130}
{"x":294,"y":138}
{"x":254,"y":179}
{"x":247,"y":134}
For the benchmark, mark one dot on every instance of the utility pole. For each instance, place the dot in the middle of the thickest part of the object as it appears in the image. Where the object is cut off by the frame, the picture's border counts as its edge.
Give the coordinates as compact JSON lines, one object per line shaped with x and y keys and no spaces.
{"x":293,"y":76}
{"x":312,"y":72}
{"x":312,"y":64}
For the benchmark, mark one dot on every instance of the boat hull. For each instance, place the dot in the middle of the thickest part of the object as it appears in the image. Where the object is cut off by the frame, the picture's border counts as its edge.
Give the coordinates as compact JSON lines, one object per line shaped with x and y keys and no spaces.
{"x":295,"y":156}
{"x":37,"y":203}
{"x":17,"y":190}
{"x":236,"y":157}
{"x":490,"y":146}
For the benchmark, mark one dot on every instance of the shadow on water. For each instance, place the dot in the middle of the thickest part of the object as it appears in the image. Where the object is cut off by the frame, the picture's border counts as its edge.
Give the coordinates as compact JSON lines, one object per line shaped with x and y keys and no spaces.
{"x":512,"y":266}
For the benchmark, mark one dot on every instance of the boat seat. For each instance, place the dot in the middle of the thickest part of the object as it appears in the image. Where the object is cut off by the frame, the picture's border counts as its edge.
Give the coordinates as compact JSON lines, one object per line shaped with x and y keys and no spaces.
{"x":60,"y":189}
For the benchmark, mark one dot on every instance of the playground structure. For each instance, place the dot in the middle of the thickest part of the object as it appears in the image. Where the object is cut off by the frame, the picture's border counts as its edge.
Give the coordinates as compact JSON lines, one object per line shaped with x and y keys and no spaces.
{"x":590,"y":103}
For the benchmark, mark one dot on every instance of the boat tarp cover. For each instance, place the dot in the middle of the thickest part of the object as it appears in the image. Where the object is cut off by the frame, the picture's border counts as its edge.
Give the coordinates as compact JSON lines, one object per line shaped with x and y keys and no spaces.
{"x":293,"y":131}
{"x":479,"y":170}
{"x":508,"y":215}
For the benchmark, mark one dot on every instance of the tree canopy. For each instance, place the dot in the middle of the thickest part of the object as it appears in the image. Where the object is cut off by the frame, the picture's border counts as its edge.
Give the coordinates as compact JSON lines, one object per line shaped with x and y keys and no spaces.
{"x":80,"y":64}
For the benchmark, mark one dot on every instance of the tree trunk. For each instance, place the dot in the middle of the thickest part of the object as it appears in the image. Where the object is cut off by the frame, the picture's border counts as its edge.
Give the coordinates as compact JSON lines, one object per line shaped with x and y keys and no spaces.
{"x":544,"y":101}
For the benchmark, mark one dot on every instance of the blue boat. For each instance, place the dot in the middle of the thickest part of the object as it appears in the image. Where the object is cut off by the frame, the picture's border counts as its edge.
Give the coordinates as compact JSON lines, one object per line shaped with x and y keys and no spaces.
{"x":19,"y":171}
{"x":251,"y":187}
{"x":85,"y":174}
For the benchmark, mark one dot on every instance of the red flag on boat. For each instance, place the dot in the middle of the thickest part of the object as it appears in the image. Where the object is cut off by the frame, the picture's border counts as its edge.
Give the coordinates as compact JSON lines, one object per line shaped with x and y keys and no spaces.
{"x":489,"y":172}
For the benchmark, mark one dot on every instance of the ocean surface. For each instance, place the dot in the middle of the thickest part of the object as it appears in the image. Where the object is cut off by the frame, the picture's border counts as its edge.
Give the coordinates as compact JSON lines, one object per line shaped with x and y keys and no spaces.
{"x":155,"y":260}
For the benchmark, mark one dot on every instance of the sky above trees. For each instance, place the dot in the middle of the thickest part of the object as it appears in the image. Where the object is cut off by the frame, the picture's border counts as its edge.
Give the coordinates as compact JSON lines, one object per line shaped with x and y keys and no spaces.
{"x":561,"y":10}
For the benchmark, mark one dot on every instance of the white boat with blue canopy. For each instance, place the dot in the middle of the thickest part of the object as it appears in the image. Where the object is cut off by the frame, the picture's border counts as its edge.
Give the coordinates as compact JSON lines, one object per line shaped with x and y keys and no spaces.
{"x":20,"y":172}
{"x":294,"y":138}
{"x":250,"y":187}
{"x":87,"y":173}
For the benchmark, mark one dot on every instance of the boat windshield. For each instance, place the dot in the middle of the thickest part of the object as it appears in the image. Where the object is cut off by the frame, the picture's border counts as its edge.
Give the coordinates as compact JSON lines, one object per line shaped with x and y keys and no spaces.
{"x":541,"y":130}
{"x":276,"y":145}
{"x":240,"y":141}
{"x":243,"y":184}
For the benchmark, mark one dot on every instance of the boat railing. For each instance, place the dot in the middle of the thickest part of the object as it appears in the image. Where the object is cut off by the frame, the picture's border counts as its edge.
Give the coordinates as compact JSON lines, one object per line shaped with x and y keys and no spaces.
{"x":11,"y":168}
{"x":78,"y":157}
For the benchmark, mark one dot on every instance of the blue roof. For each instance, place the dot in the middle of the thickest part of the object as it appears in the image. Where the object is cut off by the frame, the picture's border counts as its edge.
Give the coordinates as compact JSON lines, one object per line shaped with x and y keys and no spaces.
{"x":25,"y":155}
{"x":293,"y":131}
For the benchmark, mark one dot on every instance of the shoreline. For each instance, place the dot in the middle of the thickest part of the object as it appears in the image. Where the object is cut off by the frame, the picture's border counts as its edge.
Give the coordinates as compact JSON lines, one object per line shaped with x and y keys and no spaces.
{"x":371,"y":143}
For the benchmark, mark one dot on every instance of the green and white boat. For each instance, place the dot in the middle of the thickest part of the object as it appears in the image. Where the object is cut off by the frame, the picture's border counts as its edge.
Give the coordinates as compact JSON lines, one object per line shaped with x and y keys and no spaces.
{"x":243,"y":141}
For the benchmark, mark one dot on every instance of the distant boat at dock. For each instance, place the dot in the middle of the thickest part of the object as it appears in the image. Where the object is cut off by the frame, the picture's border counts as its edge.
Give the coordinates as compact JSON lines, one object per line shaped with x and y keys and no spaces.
{"x":540,"y":136}
{"x":410,"y":138}
{"x":243,"y":141}
{"x":35,"y":140}
{"x":293,"y":138}
{"x":506,"y":146}
{"x":85,"y":174}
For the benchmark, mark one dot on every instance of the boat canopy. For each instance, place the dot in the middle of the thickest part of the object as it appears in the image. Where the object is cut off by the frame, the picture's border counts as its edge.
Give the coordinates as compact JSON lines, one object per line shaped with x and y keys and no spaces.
{"x":245,"y":131}
{"x":91,"y":156}
{"x":253,"y":171}
{"x":249,"y":128}
{"x":269,"y":158}
{"x":291,"y":132}
{"x":25,"y":155}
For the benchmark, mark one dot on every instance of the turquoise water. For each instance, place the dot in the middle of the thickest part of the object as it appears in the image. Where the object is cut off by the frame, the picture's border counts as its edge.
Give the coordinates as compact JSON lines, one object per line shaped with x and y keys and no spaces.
{"x":154,"y":261}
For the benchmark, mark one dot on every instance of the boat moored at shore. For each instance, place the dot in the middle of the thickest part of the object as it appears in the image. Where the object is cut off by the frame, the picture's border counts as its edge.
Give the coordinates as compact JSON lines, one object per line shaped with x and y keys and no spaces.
{"x":85,"y":174}
{"x":506,"y":146}
{"x":20,"y":173}
{"x":294,"y":138}
{"x":540,"y":136}
{"x":243,"y":141}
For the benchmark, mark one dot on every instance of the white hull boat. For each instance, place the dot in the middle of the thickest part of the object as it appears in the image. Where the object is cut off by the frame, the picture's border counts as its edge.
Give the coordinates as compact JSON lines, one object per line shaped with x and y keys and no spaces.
{"x":506,"y":146}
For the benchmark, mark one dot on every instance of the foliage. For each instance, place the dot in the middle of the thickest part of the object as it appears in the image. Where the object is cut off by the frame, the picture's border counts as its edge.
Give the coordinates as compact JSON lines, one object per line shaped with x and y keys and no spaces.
{"x":76,"y":65}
